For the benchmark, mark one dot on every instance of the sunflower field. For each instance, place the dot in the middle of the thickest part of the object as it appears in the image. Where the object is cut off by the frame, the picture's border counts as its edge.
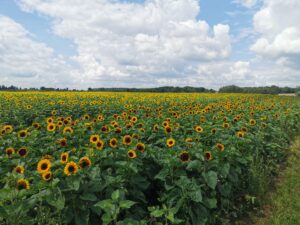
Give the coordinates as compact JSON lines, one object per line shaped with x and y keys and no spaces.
{"x":139,"y":158}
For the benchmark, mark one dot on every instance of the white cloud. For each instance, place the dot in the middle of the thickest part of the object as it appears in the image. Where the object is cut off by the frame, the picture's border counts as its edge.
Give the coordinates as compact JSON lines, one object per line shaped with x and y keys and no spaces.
{"x":26,"y":62}
{"x":123,"y":42}
{"x":246,"y":3}
{"x":278,"y":25}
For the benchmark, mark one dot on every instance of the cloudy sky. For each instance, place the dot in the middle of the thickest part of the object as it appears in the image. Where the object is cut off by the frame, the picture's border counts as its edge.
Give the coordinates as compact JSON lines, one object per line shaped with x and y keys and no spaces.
{"x":149,"y":43}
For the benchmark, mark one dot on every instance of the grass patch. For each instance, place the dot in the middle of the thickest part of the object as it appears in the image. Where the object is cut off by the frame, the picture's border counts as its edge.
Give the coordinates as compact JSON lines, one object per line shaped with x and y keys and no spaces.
{"x":283,"y":206}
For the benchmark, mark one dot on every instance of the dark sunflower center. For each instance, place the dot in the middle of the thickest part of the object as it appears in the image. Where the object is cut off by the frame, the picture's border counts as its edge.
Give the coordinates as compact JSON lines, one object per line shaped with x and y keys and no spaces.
{"x":130,"y":154}
{"x":64,"y":158}
{"x":127,"y":140}
{"x":22,"y":134}
{"x":94,"y":139}
{"x":44,"y":166}
{"x":71,"y":169}
{"x":84,"y":164}
{"x":22,"y":152}
{"x":184,"y":157}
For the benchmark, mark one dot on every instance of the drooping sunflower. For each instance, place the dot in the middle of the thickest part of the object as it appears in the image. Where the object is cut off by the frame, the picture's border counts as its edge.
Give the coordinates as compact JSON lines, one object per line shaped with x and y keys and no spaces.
{"x":84,"y":162}
{"x":23,"y":184}
{"x":252,"y":122}
{"x":184,"y":156}
{"x":43,"y":165}
{"x":22,"y":134}
{"x":62,"y":142}
{"x":127,"y":140}
{"x":64,"y":157}
{"x":23,"y":152}
{"x":71,"y":168}
{"x":94,"y":138}
{"x":51,"y":127}
{"x":113,"y":143}
{"x":36,"y":125}
{"x":99,"y":145}
{"x":8,"y":128}
{"x":208,"y":156}
{"x":220,"y":147}
{"x":140,"y":147}
{"x":131,"y":154}
{"x":213,"y":130}
{"x":19,"y":169}
{"x":171,"y":142}
{"x":68,"y":130}
{"x":47,"y":175}
{"x":9,"y":151}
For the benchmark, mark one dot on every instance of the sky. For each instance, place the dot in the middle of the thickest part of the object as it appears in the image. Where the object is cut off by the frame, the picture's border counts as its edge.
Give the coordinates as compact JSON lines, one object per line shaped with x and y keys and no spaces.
{"x":149,"y":43}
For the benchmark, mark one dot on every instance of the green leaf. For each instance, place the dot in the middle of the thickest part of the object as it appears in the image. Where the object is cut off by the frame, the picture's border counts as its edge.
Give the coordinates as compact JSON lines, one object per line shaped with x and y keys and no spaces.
{"x":211,"y":203}
{"x":211,"y":179}
{"x":82,"y":218}
{"x":105,"y":205}
{"x":157,"y":213}
{"x":194,"y":165}
{"x":115,"y":195}
{"x":126,"y":204}
{"x":196,"y":196}
{"x":88,"y":197}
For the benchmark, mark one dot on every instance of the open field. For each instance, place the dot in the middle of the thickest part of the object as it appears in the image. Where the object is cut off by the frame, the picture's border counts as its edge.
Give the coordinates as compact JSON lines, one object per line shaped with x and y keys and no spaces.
{"x":139,"y":158}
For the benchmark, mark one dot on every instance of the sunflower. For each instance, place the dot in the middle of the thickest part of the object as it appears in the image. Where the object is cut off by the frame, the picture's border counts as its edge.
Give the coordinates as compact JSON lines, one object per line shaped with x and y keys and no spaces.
{"x":171,"y":142}
{"x":131,"y":154}
{"x":62,"y":142}
{"x":168,"y":129}
{"x":118,"y":130}
{"x":140,"y":147}
{"x":243,"y":129}
{"x":198,"y":129}
{"x":64,"y":157}
{"x":220,"y":147}
{"x":36,"y":125}
{"x":133,"y":119}
{"x":71,"y":168}
{"x":53,"y":112}
{"x":208,"y":156}
{"x":60,"y":124}
{"x":68,"y":130}
{"x":22,"y":134}
{"x":156,"y":127}
{"x":226,"y":125}
{"x":104,"y":129}
{"x":264,"y":125}
{"x":50,"y":120}
{"x":184,"y":156}
{"x":252,"y":122}
{"x":47,"y":175}
{"x":8,"y":128}
{"x":43,"y":165}
{"x":189,"y":140}
{"x":86,"y":117}
{"x":23,"y":184}
{"x":9,"y":152}
{"x":240,"y":134}
{"x":94,"y":138}
{"x":19,"y":169}
{"x":99,"y":145}
{"x":51,"y":127}
{"x":113,"y":142}
{"x":213,"y":130}
{"x":84,"y":162}
{"x":127,"y":140}
{"x":48,"y":157}
{"x":22,"y":151}
{"x":100,"y":118}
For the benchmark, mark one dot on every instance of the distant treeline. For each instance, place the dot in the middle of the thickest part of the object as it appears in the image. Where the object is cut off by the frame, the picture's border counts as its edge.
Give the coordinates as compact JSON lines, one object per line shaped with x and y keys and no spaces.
{"x":259,"y":90}
{"x":226,"y":89}
{"x":186,"y":89}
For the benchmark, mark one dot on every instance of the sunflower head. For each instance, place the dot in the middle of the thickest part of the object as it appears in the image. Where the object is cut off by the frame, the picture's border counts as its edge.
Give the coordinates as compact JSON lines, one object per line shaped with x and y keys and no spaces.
{"x":99,"y":145}
{"x":168,"y":129}
{"x":252,"y":122}
{"x":68,"y":130}
{"x":113,"y":142}
{"x":240,"y":134}
{"x":9,"y":152}
{"x":51,"y":127}
{"x":127,"y":140}
{"x":198,"y":129}
{"x":131,"y":154}
{"x":46,"y":176}
{"x":19,"y":169}
{"x":22,"y":134}
{"x":64,"y":157}
{"x":84,"y":162}
{"x":94,"y":138}
{"x":44,"y":165}
{"x":23,"y":184}
{"x":184,"y":156}
{"x":226,"y":125}
{"x":213,"y":130}
{"x":220,"y":147}
{"x":140,"y":147}
{"x":171,"y":142}
{"x":71,"y":168}
{"x":22,"y":152}
{"x":208,"y":156}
